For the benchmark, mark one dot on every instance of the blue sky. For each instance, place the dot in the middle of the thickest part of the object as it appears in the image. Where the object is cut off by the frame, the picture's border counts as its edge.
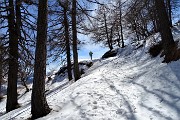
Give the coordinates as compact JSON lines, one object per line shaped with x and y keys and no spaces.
{"x":97,"y":49}
{"x":83,"y":53}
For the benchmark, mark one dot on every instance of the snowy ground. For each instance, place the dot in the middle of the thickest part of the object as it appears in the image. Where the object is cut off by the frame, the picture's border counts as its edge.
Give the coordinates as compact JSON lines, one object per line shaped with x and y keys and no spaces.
{"x":122,"y":88}
{"x":130,"y":86}
{"x":127,"y":87}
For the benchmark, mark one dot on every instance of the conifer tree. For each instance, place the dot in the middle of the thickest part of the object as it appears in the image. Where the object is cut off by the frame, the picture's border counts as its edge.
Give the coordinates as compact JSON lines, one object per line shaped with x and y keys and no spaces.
{"x":165,"y":30}
{"x":75,"y":52}
{"x":39,"y":106}
{"x":12,"y":102}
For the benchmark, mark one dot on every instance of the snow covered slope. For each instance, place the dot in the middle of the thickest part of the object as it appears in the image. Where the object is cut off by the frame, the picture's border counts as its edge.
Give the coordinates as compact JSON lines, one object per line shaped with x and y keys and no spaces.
{"x":130,"y":86}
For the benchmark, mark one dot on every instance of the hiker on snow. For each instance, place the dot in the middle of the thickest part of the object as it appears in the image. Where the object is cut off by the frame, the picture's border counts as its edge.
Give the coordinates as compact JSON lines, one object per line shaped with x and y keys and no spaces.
{"x":90,"y":54}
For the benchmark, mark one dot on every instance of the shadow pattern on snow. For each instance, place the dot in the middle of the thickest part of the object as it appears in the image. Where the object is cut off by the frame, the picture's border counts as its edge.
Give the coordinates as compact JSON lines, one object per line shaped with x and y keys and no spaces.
{"x":165,"y":95}
{"x":129,"y":113}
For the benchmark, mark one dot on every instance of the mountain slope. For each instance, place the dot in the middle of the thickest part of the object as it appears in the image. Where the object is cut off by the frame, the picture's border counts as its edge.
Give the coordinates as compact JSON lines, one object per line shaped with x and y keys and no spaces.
{"x":120,"y":88}
{"x":130,"y":86}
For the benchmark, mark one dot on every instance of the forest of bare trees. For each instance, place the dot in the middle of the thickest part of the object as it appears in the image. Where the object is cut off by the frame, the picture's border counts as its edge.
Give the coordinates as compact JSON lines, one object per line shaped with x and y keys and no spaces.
{"x":35,"y":32}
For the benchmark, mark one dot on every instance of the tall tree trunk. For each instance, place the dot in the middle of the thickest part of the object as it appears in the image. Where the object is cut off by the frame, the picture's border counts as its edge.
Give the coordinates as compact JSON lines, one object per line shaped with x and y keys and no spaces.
{"x":1,"y":71}
{"x":155,"y":26}
{"x":107,"y":34}
{"x":75,"y":52}
{"x":18,"y":18}
{"x":111,"y":37}
{"x":39,"y":106}
{"x":135,"y":29}
{"x":155,"y":19}
{"x":66,"y":25}
{"x":119,"y":38}
{"x":165,"y":30}
{"x":121,"y":28}
{"x":169,"y":12}
{"x":12,"y":102}
{"x":122,"y":38}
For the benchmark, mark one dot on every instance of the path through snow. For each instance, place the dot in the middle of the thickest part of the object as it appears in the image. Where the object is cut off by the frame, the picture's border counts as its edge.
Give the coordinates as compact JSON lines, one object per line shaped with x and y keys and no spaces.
{"x":126,"y":87}
{"x":122,"y":88}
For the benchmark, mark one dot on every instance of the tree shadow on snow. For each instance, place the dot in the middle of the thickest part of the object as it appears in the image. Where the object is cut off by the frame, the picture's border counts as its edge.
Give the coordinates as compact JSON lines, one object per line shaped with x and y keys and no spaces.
{"x":129,"y":115}
{"x":167,"y":98}
{"x":78,"y":108}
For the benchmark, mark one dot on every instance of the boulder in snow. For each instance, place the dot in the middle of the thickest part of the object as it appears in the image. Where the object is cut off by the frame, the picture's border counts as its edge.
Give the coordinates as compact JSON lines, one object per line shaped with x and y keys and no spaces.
{"x":110,"y":53}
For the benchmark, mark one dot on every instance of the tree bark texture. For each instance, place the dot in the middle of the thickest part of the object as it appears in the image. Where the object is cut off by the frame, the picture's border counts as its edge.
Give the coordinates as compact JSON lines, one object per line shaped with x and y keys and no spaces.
{"x":75,"y":52}
{"x":165,"y":29}
{"x":12,"y":102}
{"x":107,"y":34}
{"x":169,"y":11}
{"x":39,"y":106}
{"x":1,"y":71}
{"x":68,"y":53}
{"x":18,"y":18}
{"x":121,"y":27}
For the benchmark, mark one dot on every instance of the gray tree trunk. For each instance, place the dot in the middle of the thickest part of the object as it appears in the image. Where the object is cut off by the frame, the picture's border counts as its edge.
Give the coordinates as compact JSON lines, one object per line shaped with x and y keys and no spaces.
{"x":12,"y":102}
{"x":68,"y":53}
{"x":75,"y":52}
{"x":39,"y":106}
{"x":165,"y":30}
{"x":169,"y":11}
{"x":107,"y":34}
{"x":121,"y":27}
{"x":1,"y":71}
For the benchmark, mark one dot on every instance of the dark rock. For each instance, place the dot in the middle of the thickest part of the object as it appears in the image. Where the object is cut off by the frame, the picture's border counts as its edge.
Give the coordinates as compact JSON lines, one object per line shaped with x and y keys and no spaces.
{"x":82,"y":71}
{"x":110,"y":53}
{"x":62,"y":70}
{"x":89,"y":64}
{"x":156,"y":49}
